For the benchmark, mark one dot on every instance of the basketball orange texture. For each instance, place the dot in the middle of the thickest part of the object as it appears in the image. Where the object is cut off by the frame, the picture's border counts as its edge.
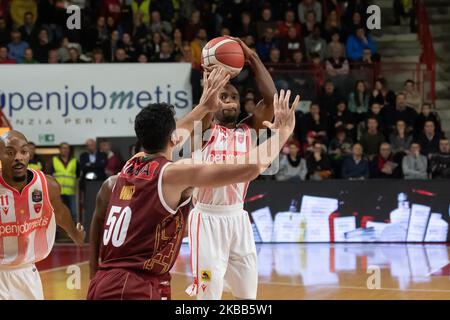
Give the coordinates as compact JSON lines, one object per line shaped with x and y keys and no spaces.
{"x":225,"y":52}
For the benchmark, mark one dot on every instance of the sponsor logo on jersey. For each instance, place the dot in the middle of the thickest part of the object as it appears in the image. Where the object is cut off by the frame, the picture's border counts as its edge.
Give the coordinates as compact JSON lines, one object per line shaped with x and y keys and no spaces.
{"x":5,"y":210}
{"x":36,"y":195}
{"x":206,"y":275}
{"x":127,"y":192}
{"x":37,"y":207}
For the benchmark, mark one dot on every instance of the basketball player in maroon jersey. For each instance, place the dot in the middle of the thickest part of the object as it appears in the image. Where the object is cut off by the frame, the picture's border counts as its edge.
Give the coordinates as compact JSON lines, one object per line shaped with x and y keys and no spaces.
{"x":148,"y":203}
{"x":222,"y":248}
{"x":31,"y":207}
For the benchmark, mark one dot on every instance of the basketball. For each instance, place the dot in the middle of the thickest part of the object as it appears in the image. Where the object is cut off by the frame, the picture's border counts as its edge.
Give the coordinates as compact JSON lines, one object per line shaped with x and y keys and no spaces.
{"x":225,"y":52}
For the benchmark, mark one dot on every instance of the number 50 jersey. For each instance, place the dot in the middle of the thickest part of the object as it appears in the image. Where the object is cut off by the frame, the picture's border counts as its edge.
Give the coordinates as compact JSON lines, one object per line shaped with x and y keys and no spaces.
{"x":141,"y":231}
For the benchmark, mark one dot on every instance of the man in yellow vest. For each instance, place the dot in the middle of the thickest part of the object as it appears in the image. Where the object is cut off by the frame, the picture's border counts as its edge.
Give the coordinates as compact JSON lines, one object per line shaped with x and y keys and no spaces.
{"x":66,"y":170}
{"x":36,"y":162}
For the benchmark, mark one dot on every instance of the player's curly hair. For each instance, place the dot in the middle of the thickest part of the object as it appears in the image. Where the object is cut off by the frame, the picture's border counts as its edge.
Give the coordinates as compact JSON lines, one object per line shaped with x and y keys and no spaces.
{"x":154,"y":125}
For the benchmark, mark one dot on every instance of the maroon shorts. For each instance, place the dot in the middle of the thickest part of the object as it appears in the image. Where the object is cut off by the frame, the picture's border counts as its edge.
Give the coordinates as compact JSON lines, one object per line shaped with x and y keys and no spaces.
{"x":123,"y":284}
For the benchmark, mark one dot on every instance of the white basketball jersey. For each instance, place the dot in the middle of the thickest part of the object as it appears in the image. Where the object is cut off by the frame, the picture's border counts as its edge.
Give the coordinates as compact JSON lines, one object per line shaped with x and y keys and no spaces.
{"x":223,"y":144}
{"x":27,"y":222}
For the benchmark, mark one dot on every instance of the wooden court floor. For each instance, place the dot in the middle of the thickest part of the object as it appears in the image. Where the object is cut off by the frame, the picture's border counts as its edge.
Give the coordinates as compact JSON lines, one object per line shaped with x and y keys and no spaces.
{"x":298,"y":271}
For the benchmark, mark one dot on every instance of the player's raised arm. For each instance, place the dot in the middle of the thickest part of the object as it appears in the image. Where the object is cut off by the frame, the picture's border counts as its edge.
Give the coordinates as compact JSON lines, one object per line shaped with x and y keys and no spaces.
{"x":185,"y":174}
{"x":62,"y":213}
{"x":209,"y":102}
{"x":98,"y":221}
{"x":266,"y":87}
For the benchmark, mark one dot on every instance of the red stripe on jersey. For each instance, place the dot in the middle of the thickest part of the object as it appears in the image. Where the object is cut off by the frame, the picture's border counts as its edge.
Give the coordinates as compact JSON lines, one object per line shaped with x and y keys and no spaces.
{"x":40,"y":239}
{"x":198,"y":236}
{"x":190,"y":240}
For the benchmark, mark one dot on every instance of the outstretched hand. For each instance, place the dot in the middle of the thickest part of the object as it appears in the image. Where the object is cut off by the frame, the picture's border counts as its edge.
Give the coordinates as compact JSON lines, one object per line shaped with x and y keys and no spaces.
{"x":214,"y":79}
{"x":284,"y":117}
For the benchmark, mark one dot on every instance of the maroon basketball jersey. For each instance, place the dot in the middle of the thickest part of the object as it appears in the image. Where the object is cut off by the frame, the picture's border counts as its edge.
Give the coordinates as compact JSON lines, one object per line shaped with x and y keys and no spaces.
{"x":141,"y":231}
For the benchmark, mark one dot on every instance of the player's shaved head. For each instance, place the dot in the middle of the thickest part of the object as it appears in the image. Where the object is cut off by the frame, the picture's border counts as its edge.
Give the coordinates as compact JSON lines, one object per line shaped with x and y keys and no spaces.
{"x":14,"y":155}
{"x":13,"y":134}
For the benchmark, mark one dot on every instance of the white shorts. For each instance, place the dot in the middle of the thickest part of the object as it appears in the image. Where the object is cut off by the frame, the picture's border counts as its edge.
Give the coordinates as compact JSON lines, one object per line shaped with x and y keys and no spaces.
{"x":20,"y":283}
{"x":223,"y":252}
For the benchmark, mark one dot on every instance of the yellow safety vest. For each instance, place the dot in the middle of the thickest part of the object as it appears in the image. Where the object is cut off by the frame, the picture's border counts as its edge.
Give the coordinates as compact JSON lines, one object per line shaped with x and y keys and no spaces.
{"x":35,"y":166}
{"x":144,"y":8}
{"x":66,"y":176}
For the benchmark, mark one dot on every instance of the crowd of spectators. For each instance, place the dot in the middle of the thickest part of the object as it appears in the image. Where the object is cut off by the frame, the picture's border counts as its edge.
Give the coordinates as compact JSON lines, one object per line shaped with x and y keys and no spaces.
{"x":367,"y":131}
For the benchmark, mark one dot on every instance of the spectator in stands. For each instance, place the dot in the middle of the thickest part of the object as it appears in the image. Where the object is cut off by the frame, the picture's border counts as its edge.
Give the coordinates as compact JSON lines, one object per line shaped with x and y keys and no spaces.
{"x":266,"y":44}
{"x":288,"y":23}
{"x":163,"y":27}
{"x":52,"y":57}
{"x":18,"y":8}
{"x":319,"y":164}
{"x":376,"y":112}
{"x":405,"y":8}
{"x":63,"y":50}
{"x":113,"y":162}
{"x":372,"y":138}
{"x":291,"y":44}
{"x":429,"y":139}
{"x":4,"y":32}
{"x":332,"y":25}
{"x":142,"y":58}
{"x":315,"y":121}
{"x":368,"y":58}
{"x":141,"y":7}
{"x":190,"y":29}
{"x":383,"y":165}
{"x":401,"y":138}
{"x":74,"y":56}
{"x":36,"y":162}
{"x":306,"y":6}
{"x":93,"y":162}
{"x":335,"y":43}
{"x":356,"y":43}
{"x":414,"y":165}
{"x":317,"y":69}
{"x":413,"y":98}
{"x":440,"y":161}
{"x":292,"y":166}
{"x":98,"y":35}
{"x":130,"y":48}
{"x":4,"y":58}
{"x":166,"y":54}
{"x":403,"y":111}
{"x":97,"y":56}
{"x":314,"y":43}
{"x":355,"y":167}
{"x":17,"y":47}
{"x":337,"y":66}
{"x":343,"y":118}
{"x":308,"y":25}
{"x":111,"y":8}
{"x":265,"y":23}
{"x":329,"y":98}
{"x":66,"y":170}
{"x":177,"y":42}
{"x":358,"y":100}
{"x":28,"y":58}
{"x":382,"y":94}
{"x":4,"y":9}
{"x":246,"y":26}
{"x":197,"y":45}
{"x":354,"y":22}
{"x":42,"y":47}
{"x":340,"y":147}
{"x":121,"y":56}
{"x":29,"y":30}
{"x":274,"y":56}
{"x":425,"y":115}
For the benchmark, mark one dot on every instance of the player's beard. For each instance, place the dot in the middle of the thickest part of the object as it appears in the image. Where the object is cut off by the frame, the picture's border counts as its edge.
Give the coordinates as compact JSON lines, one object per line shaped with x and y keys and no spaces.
{"x":19,"y":178}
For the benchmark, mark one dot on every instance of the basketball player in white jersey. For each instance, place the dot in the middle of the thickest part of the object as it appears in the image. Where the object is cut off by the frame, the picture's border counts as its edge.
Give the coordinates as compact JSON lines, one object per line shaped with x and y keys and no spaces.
{"x":220,"y":234}
{"x":31,"y":207}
